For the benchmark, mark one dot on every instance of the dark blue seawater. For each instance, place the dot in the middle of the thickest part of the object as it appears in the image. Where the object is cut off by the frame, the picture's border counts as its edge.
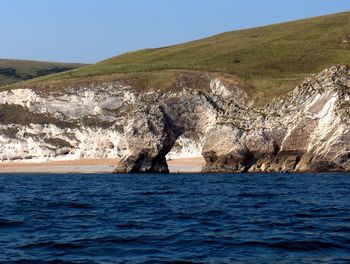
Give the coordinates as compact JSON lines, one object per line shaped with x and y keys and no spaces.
{"x":212,"y":218}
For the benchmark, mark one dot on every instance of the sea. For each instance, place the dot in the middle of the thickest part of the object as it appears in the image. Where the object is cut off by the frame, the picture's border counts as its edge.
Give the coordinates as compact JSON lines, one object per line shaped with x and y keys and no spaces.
{"x":175,"y":218}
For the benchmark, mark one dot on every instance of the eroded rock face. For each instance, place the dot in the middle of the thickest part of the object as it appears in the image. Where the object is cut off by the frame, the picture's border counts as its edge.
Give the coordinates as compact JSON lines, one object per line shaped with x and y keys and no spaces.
{"x":150,"y":135}
{"x":72,"y":123}
{"x":306,"y":130}
{"x":153,"y":128}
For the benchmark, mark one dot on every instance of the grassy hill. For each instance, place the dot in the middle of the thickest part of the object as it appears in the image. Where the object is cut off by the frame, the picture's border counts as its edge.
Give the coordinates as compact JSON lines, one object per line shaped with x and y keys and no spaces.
{"x":270,"y":60}
{"x":12,"y":71}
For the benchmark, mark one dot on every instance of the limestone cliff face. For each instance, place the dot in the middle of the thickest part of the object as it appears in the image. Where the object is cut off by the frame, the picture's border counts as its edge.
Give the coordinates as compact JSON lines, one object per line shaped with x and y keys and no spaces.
{"x":307,"y":130}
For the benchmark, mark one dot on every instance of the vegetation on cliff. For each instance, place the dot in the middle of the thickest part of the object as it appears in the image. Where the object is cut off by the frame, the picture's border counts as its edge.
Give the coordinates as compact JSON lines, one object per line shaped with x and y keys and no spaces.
{"x":269,"y":60}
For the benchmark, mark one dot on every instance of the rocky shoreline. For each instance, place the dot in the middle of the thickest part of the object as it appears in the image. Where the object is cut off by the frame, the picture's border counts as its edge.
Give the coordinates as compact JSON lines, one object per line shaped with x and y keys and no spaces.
{"x":305,"y":131}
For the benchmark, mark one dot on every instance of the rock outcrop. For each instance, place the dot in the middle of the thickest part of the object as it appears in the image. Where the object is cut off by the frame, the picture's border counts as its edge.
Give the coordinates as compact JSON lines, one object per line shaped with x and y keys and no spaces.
{"x":150,"y":135}
{"x":306,"y":130}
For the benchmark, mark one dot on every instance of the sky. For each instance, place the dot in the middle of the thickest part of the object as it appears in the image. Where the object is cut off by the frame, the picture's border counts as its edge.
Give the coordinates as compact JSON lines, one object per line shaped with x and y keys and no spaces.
{"x":88,"y":31}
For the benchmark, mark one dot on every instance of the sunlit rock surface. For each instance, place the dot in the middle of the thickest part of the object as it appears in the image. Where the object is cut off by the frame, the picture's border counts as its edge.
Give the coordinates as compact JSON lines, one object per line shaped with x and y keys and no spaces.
{"x":306,"y":130}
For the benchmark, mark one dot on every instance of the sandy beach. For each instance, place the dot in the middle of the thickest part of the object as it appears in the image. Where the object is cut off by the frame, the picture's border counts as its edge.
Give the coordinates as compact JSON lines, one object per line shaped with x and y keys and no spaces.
{"x":181,"y":165}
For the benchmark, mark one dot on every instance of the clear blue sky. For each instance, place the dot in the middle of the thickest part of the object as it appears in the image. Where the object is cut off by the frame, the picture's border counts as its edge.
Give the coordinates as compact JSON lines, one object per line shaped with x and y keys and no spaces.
{"x":92,"y":30}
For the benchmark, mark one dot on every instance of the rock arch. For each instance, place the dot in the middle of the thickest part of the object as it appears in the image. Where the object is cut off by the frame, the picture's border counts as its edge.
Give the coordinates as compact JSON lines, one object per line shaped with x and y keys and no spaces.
{"x":152,"y":129}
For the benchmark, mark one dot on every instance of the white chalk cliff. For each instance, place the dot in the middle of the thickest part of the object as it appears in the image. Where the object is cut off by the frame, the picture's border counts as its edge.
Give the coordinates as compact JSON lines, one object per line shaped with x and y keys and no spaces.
{"x":306,"y":130}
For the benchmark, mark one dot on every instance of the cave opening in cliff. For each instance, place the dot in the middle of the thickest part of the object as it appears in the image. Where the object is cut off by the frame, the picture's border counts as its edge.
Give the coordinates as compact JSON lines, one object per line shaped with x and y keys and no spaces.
{"x":185,"y":155}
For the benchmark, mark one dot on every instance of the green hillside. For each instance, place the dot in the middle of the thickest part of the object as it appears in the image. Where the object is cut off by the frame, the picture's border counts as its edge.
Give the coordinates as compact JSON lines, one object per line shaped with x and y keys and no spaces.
{"x":12,"y":71}
{"x":271,"y":60}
